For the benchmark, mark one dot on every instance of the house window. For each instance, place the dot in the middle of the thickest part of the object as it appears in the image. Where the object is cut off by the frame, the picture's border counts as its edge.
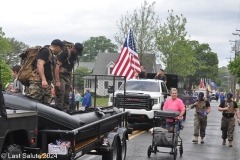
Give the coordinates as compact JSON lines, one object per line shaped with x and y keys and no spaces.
{"x":110,"y":70}
{"x":119,"y":84}
{"x":106,"y":84}
{"x":88,"y":83}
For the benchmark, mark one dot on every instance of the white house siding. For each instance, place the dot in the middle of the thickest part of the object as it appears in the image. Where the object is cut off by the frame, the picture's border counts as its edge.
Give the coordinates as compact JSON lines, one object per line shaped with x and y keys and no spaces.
{"x":101,"y":91}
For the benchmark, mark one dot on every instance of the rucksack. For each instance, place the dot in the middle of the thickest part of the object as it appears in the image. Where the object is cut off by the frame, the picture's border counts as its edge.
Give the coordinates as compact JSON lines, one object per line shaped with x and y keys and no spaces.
{"x":28,"y":71}
{"x":67,"y":46}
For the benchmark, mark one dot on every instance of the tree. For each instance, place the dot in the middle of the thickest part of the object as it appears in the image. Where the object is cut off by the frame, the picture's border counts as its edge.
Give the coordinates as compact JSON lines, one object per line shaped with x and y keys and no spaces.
{"x":169,"y":33}
{"x":183,"y":59}
{"x":4,"y":45}
{"x":96,"y":45}
{"x":234,"y":67}
{"x":5,"y":73}
{"x":223,"y":76}
{"x":144,"y":22}
{"x":206,"y":63}
{"x":13,"y":56}
{"x":79,"y":77}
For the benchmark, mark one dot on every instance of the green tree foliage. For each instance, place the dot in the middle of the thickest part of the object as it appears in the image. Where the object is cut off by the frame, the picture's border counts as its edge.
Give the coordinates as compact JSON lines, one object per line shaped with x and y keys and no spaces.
{"x":234,"y":67}
{"x":5,"y":47}
{"x":169,"y":33}
{"x":96,"y":45}
{"x":223,"y":76}
{"x":182,"y":59}
{"x":79,"y":77}
{"x":207,"y":63}
{"x":17,"y":47}
{"x":5,"y":73}
{"x":144,"y":22}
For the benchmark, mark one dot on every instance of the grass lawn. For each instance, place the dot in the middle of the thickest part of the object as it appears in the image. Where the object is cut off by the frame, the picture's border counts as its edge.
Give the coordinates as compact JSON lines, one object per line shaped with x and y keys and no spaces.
{"x":100,"y":102}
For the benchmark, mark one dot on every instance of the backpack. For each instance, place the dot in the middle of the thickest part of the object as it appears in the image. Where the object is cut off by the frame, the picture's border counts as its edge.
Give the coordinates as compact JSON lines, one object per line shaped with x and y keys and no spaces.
{"x":28,"y":71}
{"x":67,"y":46}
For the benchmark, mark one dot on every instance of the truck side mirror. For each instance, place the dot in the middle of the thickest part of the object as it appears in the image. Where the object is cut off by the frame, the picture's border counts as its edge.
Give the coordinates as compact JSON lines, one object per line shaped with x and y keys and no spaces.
{"x":166,"y":94}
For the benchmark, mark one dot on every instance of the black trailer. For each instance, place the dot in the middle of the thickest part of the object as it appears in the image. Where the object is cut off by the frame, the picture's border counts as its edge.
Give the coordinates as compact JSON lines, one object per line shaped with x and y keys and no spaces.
{"x":111,"y":145}
{"x":18,"y":132}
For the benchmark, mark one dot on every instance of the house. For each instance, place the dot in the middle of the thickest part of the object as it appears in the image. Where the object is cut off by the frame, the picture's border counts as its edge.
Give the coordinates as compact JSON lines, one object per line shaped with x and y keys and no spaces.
{"x":89,"y":65}
{"x":102,"y":68}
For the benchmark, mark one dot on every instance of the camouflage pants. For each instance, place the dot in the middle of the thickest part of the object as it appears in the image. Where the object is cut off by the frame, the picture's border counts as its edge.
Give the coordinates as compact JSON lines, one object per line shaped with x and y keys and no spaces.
{"x":36,"y":91}
{"x":62,"y":94}
{"x":227,"y":127}
{"x":200,"y":123}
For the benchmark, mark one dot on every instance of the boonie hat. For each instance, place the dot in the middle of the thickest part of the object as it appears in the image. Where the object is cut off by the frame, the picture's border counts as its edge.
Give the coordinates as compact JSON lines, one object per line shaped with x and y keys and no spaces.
{"x":201,"y":95}
{"x":79,"y":48}
{"x":57,"y":42}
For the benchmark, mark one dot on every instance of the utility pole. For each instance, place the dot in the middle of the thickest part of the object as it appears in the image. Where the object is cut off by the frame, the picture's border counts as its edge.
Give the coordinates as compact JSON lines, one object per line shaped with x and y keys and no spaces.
{"x":236,"y":54}
{"x":233,"y":89}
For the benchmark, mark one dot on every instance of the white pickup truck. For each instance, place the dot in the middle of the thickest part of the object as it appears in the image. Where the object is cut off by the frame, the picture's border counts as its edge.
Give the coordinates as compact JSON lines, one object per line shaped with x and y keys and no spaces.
{"x":142,"y":98}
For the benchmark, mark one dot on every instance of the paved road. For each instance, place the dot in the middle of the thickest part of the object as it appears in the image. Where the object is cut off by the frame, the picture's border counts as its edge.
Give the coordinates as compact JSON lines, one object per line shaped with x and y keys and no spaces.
{"x":212,"y":149}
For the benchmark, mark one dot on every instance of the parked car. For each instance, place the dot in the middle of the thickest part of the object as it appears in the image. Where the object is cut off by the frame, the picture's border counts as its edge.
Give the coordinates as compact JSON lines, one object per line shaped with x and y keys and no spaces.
{"x":213,"y":97}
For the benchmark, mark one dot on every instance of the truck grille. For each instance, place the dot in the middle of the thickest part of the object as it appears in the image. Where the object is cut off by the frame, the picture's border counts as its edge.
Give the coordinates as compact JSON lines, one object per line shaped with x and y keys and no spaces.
{"x":134,"y":101}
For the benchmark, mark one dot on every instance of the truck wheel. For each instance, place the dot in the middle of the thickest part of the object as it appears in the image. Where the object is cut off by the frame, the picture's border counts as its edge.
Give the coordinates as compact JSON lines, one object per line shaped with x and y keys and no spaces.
{"x":12,"y":153}
{"x":114,"y":155}
{"x":124,"y":148}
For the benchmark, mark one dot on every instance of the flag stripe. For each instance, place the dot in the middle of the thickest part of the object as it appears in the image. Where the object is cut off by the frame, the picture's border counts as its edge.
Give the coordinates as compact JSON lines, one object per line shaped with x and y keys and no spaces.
{"x":128,"y":60}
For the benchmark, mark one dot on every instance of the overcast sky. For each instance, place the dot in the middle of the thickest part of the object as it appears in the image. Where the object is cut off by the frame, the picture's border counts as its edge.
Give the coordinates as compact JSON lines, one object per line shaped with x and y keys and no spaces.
{"x":39,"y":22}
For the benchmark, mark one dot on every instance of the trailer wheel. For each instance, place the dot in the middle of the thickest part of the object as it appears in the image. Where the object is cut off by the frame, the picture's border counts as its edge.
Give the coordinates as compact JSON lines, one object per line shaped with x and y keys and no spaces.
{"x":11,"y":151}
{"x":124,"y":148}
{"x":114,"y":154}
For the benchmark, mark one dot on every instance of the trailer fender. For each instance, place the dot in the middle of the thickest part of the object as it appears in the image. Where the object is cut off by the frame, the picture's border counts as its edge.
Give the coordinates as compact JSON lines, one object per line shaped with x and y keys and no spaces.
{"x":123,"y":132}
{"x":109,"y":139}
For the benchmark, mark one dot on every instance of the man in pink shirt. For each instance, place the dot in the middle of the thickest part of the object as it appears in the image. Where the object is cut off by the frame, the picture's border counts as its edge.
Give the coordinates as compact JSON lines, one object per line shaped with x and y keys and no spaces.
{"x":174,"y":104}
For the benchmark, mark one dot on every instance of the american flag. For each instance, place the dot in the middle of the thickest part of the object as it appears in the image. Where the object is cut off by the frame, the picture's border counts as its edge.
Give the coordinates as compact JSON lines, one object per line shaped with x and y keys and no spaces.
{"x":128,"y":61}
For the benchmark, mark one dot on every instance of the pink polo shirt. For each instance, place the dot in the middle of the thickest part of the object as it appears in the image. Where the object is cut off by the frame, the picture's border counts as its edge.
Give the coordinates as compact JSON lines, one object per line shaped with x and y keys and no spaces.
{"x":174,"y":105}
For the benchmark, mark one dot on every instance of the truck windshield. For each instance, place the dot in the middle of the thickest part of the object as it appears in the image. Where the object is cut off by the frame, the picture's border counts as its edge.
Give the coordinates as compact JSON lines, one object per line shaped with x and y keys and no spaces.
{"x":141,"y":86}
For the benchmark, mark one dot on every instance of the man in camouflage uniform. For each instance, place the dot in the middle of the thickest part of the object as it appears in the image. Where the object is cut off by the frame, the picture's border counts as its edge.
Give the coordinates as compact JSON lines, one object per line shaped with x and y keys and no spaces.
{"x":63,"y":75}
{"x":229,"y":108}
{"x":41,"y":89}
{"x":200,"y":117}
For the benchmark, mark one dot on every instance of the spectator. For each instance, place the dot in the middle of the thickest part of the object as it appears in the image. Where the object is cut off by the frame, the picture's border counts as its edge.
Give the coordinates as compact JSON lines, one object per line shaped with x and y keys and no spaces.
{"x":187,"y":94}
{"x":77,"y":97}
{"x":17,"y":87}
{"x":71,"y":100}
{"x":217,"y":96}
{"x":222,"y":97}
{"x":87,"y":100}
{"x":53,"y":95}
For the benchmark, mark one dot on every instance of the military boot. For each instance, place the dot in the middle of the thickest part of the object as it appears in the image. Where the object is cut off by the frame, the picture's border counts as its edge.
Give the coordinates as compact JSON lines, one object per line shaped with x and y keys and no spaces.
{"x":195,"y":139}
{"x":230,"y":144}
{"x":202,"y":140}
{"x":224,"y":142}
